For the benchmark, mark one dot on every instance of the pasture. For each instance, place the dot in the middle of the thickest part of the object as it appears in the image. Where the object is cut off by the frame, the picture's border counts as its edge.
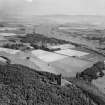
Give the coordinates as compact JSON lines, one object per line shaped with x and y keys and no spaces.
{"x":68,"y":67}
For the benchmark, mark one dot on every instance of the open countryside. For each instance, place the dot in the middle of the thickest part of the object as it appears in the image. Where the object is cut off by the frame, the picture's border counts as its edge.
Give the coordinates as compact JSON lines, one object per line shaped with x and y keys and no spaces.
{"x":56,"y":54}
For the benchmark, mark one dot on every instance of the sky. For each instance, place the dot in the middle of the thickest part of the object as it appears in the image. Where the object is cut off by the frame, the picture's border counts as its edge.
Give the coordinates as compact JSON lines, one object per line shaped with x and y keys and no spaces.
{"x":51,"y":7}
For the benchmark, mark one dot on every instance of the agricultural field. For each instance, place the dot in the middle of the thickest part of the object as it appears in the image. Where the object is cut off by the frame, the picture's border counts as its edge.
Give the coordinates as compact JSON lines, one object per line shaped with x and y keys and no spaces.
{"x":70,"y":66}
{"x":29,"y":60}
{"x":90,"y":35}
{"x":47,"y":56}
{"x":7,"y":34}
{"x":11,"y":51}
{"x":67,"y":66}
{"x":70,"y":52}
{"x":47,"y":61}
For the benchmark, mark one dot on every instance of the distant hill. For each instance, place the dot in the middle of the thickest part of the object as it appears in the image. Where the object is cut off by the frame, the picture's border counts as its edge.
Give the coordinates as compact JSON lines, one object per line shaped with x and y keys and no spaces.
{"x":61,"y":19}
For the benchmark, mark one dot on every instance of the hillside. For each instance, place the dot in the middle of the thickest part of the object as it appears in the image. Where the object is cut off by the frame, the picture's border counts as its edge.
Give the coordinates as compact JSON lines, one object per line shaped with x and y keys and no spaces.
{"x":20,"y":85}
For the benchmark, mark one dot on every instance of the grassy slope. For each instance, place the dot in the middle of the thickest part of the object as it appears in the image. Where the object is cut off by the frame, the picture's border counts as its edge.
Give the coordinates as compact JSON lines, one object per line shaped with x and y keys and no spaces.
{"x":20,"y":85}
{"x":91,"y":90}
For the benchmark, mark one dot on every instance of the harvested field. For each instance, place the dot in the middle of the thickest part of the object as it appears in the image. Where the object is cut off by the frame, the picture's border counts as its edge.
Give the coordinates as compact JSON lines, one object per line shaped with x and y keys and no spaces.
{"x":63,"y":46}
{"x":70,"y":52}
{"x":47,"y":56}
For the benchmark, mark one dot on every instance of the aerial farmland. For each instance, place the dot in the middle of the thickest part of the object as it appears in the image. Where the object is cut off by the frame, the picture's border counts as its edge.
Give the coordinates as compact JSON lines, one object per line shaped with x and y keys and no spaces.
{"x":66,"y":52}
{"x":52,"y":52}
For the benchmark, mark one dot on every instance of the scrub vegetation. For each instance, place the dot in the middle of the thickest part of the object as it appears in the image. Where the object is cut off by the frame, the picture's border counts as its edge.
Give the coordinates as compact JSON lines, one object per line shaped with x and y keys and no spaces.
{"x":20,"y":85}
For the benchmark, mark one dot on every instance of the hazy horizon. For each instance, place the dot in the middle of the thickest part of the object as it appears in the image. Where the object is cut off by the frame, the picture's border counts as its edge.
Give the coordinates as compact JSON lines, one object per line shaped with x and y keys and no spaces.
{"x":52,"y":7}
